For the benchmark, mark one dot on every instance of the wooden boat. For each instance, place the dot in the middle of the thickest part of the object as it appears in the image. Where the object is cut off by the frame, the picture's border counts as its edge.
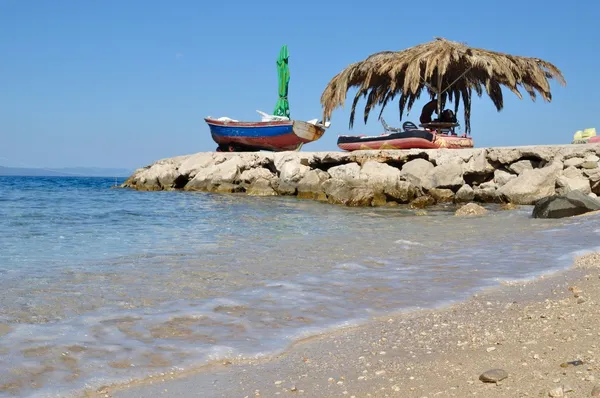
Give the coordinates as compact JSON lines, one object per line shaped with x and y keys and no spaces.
{"x":411,"y":137}
{"x":277,"y":134}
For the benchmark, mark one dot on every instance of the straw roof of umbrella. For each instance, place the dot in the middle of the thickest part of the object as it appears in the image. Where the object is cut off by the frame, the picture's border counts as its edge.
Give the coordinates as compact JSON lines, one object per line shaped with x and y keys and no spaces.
{"x":438,"y":66}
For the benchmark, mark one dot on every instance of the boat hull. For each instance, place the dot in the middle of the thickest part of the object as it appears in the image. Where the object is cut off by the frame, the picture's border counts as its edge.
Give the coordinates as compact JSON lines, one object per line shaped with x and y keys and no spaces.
{"x":281,"y":135}
{"x":419,"y":139}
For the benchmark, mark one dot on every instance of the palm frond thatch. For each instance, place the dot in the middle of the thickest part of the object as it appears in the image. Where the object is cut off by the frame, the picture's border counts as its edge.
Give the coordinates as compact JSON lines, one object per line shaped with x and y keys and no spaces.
{"x":440,"y":66}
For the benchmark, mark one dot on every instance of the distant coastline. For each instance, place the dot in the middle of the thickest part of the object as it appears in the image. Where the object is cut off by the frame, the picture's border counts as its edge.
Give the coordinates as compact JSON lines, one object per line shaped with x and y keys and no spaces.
{"x":65,"y":172}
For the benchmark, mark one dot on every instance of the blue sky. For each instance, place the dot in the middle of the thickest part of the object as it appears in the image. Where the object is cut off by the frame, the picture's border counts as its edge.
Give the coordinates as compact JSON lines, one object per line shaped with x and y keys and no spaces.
{"x":122,"y":83}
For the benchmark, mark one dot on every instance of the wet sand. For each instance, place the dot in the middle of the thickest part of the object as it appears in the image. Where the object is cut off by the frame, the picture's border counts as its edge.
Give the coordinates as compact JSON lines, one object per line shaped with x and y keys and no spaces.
{"x":544,"y":334}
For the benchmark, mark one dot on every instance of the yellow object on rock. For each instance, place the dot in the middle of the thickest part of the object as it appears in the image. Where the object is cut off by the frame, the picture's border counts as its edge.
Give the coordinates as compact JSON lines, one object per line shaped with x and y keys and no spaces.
{"x":590,"y":132}
{"x":582,"y":137}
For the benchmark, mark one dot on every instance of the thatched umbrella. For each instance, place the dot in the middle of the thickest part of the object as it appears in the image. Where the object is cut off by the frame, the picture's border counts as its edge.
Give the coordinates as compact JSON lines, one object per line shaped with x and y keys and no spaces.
{"x":444,"y":68}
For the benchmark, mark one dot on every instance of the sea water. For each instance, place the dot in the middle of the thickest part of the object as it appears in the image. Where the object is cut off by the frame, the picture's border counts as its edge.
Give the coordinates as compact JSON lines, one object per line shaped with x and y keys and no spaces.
{"x":101,"y":285}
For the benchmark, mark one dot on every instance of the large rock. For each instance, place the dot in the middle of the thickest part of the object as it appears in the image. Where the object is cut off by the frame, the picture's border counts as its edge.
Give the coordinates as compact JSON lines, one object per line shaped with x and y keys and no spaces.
{"x":401,"y":191}
{"x":217,"y":174}
{"x":471,"y":209}
{"x":161,"y":175}
{"x":488,"y":184}
{"x":532,"y":185}
{"x":448,"y":175}
{"x":251,"y":175}
{"x":572,"y":179}
{"x":506,"y":156}
{"x":165,"y":175}
{"x":445,"y":155}
{"x":312,"y":181}
{"x":224,"y":187}
{"x":591,"y":173}
{"x":348,"y":194}
{"x":383,"y":178}
{"x":378,"y":175}
{"x":345,"y":172}
{"x":478,"y":164}
{"x":281,"y":158}
{"x":594,"y":178}
{"x":420,"y":202}
{"x":332,"y":158}
{"x":486,"y":194}
{"x":522,"y":165}
{"x":417,"y":171}
{"x":571,"y":204}
{"x":190,"y":166}
{"x":442,"y":195}
{"x":291,"y":172}
{"x":464,"y":194}
{"x":311,"y":185}
{"x":472,"y":162}
{"x":501,"y":177}
{"x":590,"y":162}
{"x":574,"y":161}
{"x":261,"y":187}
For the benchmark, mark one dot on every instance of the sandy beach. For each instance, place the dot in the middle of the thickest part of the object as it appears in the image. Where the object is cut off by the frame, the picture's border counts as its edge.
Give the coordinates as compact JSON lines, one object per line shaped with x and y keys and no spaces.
{"x":544,"y":334}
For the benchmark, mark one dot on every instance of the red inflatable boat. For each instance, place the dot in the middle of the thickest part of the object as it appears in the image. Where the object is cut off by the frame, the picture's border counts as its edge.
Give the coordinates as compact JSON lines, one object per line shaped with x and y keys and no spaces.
{"x":430,"y":136}
{"x":421,"y":139}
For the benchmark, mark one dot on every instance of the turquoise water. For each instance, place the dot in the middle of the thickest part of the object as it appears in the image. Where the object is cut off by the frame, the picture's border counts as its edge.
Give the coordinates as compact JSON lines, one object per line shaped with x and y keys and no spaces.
{"x":101,"y":285}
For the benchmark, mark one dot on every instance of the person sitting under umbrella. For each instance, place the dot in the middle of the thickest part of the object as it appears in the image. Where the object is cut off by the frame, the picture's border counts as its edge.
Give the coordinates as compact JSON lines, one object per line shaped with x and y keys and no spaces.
{"x":447,"y":115}
{"x":427,"y":111}
{"x":430,"y":107}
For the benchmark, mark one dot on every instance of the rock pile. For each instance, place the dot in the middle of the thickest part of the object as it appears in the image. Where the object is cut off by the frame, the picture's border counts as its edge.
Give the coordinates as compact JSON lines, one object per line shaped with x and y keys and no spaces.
{"x":519,"y":175}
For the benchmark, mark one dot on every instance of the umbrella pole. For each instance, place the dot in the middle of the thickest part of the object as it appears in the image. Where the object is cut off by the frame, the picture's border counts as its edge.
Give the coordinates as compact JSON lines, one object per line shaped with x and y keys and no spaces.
{"x":457,"y":79}
{"x":439,"y":95}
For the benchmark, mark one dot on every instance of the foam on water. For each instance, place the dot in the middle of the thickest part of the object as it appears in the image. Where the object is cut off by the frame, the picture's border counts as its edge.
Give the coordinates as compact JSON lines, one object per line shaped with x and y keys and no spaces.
{"x":147,"y":283}
{"x":408,"y":242}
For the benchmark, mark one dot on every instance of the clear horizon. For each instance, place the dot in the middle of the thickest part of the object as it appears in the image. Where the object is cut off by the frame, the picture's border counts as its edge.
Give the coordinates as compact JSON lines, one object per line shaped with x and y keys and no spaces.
{"x":66,"y":168}
{"x":121,"y":85}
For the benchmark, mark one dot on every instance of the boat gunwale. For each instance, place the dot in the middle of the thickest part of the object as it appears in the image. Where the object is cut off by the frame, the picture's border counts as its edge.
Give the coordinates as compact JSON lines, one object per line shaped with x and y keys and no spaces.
{"x":226,"y":123}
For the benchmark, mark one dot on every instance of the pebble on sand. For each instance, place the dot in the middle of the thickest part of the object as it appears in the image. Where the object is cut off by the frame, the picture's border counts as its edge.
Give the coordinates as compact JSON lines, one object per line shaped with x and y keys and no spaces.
{"x":576,"y":362}
{"x":556,"y":392}
{"x":493,"y":375}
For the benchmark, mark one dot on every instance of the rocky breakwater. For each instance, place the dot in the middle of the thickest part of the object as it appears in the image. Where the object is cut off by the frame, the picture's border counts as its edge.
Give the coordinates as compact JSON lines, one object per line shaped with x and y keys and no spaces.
{"x":519,"y":175}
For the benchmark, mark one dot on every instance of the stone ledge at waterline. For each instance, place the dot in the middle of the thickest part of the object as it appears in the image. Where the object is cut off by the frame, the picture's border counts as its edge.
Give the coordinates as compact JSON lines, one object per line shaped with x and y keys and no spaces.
{"x":420,"y":177}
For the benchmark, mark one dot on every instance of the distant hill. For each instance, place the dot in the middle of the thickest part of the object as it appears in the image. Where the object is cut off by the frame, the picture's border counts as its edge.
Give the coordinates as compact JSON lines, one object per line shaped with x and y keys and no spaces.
{"x":65,"y":172}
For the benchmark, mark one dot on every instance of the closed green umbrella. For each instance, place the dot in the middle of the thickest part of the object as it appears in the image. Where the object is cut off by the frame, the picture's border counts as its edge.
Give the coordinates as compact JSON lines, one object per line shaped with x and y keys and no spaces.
{"x":282,"y":108}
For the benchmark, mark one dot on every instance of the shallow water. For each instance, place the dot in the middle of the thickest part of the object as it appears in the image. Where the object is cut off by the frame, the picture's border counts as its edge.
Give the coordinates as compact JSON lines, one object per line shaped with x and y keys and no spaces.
{"x":101,"y":285}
